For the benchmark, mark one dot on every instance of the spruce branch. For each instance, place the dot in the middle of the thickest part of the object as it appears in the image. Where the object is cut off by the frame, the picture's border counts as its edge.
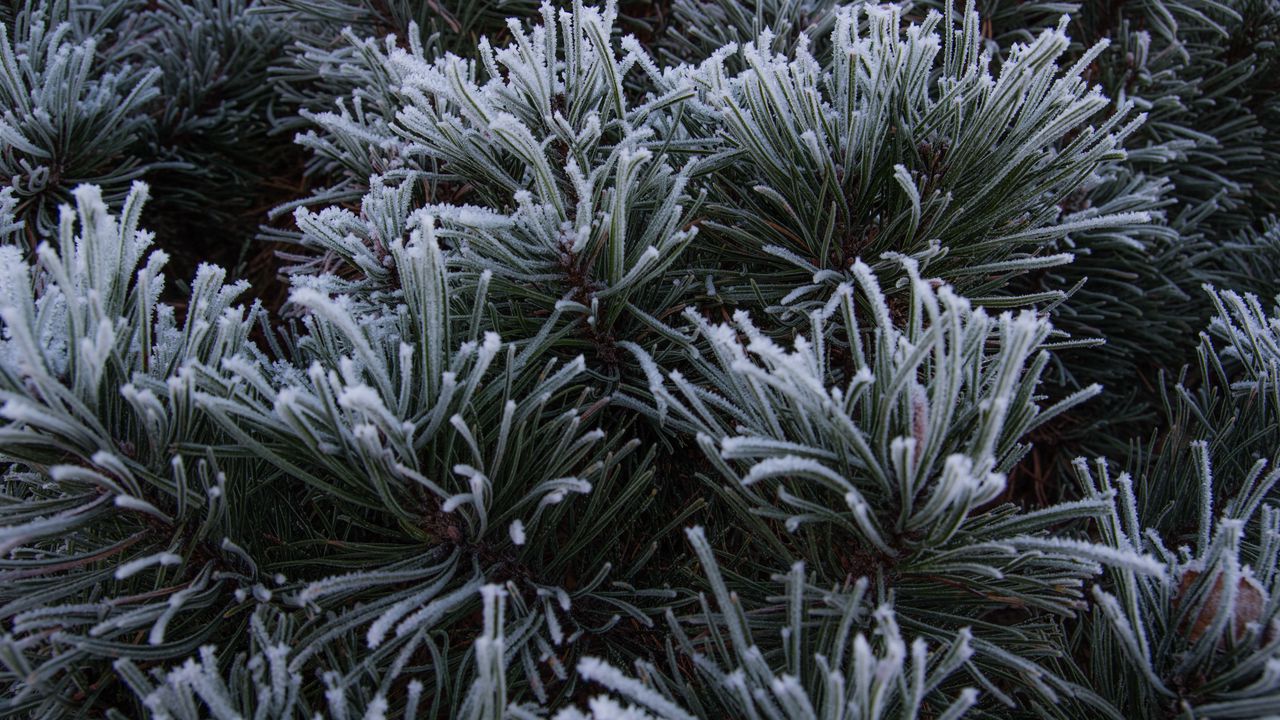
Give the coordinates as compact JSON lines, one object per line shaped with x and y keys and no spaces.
{"x":913,"y":139}
{"x":115,"y":533}
{"x":878,"y":447}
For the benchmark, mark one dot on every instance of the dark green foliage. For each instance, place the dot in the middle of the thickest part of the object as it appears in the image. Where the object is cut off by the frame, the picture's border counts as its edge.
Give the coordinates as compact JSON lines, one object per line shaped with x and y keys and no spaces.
{"x":840,"y":290}
{"x":74,"y":107}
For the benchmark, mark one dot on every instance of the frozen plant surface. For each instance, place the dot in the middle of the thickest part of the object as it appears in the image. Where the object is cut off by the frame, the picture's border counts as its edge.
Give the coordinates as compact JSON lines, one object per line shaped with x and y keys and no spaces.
{"x":659,"y":360}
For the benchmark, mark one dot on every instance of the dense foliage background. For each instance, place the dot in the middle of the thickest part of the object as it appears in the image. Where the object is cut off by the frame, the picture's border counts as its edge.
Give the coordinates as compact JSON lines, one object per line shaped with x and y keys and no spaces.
{"x":667,"y":359}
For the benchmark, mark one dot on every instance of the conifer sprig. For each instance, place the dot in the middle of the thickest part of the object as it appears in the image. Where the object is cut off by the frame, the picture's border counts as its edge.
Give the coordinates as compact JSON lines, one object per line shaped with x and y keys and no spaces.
{"x":838,"y":289}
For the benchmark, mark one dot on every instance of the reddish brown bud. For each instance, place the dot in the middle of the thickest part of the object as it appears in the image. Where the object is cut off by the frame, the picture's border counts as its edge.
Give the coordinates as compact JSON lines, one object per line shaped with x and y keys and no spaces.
{"x":1251,"y":601}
